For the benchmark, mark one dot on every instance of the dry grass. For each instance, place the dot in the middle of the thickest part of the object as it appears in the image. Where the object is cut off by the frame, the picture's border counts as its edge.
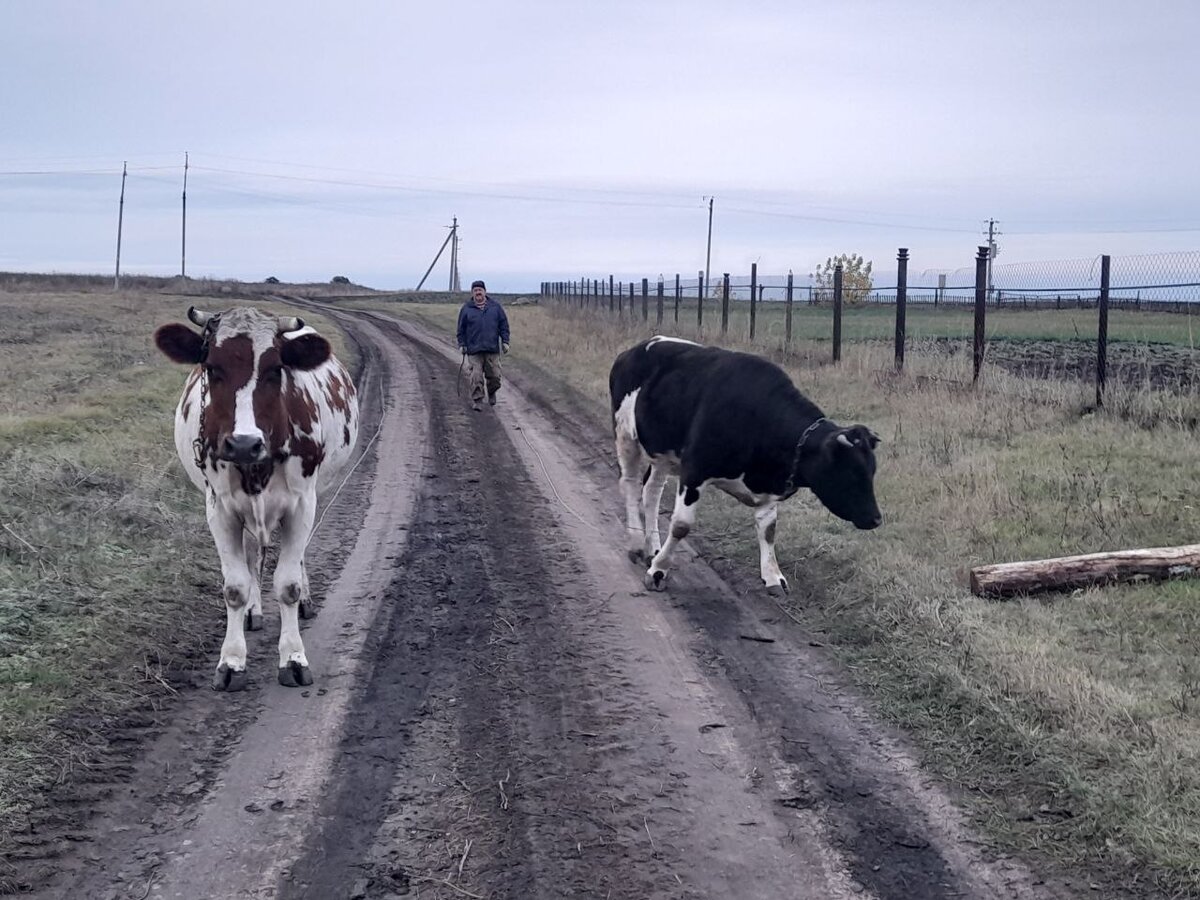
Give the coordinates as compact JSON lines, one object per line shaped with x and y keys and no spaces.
{"x":109,"y":584}
{"x":1071,"y":723}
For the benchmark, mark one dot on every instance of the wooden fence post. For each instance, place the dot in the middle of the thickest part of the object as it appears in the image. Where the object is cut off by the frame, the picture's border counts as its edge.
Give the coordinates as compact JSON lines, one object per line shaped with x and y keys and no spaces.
{"x":699,"y":302}
{"x":677,"y":297}
{"x":645,"y":299}
{"x":753,"y":295}
{"x":980,"y":309}
{"x":901,"y":303}
{"x":725,"y":305}
{"x":837,"y":313}
{"x":787,"y":328}
{"x":1102,"y":334}
{"x":658,"y":319}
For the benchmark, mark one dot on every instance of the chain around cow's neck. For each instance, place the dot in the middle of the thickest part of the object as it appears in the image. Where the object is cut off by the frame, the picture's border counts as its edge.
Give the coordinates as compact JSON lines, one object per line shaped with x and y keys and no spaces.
{"x":198,"y":449}
{"x":198,"y":452}
{"x":796,"y":455}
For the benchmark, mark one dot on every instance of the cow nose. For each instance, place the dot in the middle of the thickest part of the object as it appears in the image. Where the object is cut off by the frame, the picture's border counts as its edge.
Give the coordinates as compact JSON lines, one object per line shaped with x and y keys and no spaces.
{"x":243,"y":448}
{"x":873,"y":522}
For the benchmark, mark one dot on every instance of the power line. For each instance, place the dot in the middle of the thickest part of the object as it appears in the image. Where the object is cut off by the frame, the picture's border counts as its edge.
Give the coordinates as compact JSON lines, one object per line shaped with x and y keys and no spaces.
{"x":839,"y":221}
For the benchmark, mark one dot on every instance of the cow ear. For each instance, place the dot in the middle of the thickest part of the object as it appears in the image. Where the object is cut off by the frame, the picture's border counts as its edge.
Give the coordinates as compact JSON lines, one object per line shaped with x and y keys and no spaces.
{"x":179,"y":344}
{"x":858,"y":436}
{"x":305,"y":352}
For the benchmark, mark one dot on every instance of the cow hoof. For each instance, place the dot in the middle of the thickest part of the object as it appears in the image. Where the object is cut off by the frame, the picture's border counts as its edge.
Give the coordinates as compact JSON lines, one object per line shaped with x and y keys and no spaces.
{"x":307,"y":610}
{"x":655,"y":581}
{"x":637,"y":557}
{"x":254,"y":621}
{"x":229,"y":680}
{"x":778,"y":590}
{"x":295,"y":675}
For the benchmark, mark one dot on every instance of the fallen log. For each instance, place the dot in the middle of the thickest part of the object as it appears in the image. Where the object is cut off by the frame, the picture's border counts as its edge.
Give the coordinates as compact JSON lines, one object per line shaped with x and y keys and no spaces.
{"x":1068,"y":572}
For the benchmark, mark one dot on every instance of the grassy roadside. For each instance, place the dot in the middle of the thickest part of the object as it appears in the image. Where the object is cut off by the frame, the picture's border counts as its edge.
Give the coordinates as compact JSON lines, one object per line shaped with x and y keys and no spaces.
{"x":1071,"y":724}
{"x":109,"y":584}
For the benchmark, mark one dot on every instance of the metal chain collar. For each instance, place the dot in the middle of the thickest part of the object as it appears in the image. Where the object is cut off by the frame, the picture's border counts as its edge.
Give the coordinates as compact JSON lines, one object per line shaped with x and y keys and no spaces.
{"x":790,"y":487}
{"x":198,"y":454}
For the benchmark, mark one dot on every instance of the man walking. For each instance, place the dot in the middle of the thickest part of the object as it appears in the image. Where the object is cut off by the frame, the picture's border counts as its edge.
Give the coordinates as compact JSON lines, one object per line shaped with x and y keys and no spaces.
{"x":483,"y":336}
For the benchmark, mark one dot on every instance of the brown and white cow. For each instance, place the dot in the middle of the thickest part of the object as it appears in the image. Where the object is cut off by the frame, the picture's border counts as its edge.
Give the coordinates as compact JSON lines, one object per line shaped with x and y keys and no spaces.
{"x":267,"y":419}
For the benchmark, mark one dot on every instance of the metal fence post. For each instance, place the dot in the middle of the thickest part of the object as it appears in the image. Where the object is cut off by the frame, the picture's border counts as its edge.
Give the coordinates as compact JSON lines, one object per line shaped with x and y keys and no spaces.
{"x":787,"y":328}
{"x":981,"y":261}
{"x":658,"y":312}
{"x":1102,"y":334}
{"x":753,"y":295}
{"x":645,"y":299}
{"x":725,"y":304}
{"x":901,"y":303}
{"x":837,"y":313}
{"x":677,"y":297}
{"x":699,"y":301}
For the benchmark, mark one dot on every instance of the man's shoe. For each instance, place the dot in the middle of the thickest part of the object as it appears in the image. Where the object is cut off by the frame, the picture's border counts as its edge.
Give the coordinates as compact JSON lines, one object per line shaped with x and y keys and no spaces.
{"x":491,"y":399}
{"x":477,"y":406}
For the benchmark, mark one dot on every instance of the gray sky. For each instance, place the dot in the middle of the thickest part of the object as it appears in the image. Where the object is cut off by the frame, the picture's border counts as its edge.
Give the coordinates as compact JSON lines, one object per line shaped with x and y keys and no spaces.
{"x":574,"y":139}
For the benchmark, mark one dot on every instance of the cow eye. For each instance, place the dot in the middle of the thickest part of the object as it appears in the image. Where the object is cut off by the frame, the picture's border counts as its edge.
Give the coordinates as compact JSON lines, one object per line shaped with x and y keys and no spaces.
{"x":214,"y":373}
{"x":275,"y":373}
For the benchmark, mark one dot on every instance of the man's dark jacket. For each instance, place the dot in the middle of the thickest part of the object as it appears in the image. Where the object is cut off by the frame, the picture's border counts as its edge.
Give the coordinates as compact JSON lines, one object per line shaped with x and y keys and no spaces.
{"x":482,"y":330}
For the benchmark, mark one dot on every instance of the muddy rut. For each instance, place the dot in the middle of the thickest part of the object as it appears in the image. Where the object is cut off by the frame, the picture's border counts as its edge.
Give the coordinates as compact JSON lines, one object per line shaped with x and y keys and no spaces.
{"x":501,"y":711}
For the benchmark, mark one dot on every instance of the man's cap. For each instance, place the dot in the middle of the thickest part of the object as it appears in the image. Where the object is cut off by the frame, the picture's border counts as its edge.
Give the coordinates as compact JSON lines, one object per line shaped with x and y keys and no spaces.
{"x":477,"y":283}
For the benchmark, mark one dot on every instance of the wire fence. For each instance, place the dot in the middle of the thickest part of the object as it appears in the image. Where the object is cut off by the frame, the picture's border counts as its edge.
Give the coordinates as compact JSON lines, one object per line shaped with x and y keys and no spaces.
{"x":782,"y":308}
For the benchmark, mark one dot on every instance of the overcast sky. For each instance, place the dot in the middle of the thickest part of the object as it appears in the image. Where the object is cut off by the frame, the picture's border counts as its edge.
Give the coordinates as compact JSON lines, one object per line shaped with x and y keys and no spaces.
{"x":580,"y":139}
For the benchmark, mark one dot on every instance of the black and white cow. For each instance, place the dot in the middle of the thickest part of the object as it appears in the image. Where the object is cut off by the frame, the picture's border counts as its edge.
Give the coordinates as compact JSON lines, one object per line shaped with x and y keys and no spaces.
{"x":732,"y":421}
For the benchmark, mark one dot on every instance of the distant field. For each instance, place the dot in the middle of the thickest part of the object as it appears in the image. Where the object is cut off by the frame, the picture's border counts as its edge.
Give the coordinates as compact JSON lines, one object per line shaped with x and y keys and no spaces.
{"x":922,"y":321}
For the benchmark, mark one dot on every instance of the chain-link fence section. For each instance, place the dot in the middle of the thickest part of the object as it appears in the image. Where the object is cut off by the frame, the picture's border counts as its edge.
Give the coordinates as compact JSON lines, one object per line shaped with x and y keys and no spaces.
{"x":813,"y":305}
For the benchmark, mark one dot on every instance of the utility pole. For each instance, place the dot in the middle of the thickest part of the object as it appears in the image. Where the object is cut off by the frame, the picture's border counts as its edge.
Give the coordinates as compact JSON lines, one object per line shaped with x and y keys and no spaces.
{"x":183,"y":251}
{"x":120,"y":222}
{"x":454,"y":282}
{"x":992,"y":251}
{"x":708,"y":253}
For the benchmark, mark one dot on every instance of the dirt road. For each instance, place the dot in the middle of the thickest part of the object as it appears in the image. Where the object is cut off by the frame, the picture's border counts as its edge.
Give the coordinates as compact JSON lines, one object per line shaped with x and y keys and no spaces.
{"x":501,"y":711}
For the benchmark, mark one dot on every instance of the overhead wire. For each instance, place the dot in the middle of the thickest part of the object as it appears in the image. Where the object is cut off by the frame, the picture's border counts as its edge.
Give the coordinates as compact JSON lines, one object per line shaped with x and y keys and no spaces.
{"x":752,"y":205}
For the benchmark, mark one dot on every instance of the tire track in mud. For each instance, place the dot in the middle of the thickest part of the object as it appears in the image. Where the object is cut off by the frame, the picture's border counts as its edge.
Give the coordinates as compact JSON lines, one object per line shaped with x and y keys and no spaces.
{"x":486,"y":719}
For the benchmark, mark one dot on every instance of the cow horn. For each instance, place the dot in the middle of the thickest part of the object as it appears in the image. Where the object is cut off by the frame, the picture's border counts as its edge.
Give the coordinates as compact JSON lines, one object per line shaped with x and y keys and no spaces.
{"x":842,"y":439}
{"x":290,"y":323}
{"x":198,"y":317}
